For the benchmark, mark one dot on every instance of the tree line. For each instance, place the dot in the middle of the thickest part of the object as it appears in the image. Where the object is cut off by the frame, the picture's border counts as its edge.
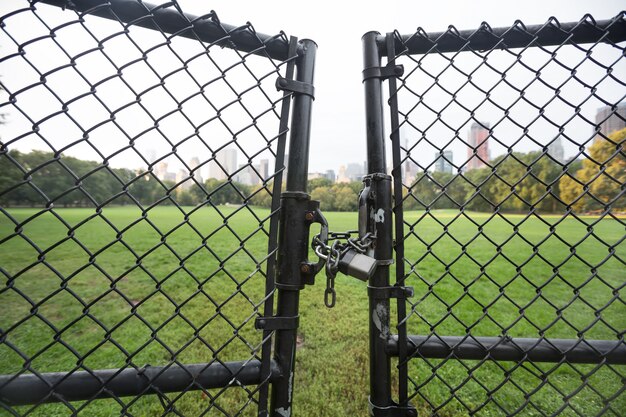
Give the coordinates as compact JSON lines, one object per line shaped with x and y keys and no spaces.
{"x":516,"y":182}
{"x":38,"y":178}
{"x":520,"y":182}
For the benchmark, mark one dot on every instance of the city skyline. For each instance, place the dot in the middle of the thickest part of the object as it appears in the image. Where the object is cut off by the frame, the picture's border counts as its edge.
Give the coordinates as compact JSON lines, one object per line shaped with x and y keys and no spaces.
{"x":478,"y":151}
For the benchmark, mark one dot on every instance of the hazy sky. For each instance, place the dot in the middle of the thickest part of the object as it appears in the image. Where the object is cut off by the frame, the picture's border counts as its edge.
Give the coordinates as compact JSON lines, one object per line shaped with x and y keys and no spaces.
{"x":337,"y":27}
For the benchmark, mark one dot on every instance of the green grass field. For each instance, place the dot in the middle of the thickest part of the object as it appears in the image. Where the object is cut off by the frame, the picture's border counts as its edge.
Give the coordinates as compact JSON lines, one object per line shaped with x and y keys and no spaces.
{"x":115,"y":290}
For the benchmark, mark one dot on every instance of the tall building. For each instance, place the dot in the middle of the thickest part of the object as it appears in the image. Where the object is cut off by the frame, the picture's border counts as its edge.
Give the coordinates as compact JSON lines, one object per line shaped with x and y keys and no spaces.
{"x":478,"y":152}
{"x":161,"y":170}
{"x":152,"y":155}
{"x":224,"y":165}
{"x":194,"y":166}
{"x":215,"y":171}
{"x":181,"y":179}
{"x":609,"y":121}
{"x":328,"y":174}
{"x":410,"y":171}
{"x":246,"y":175}
{"x":355,"y":172}
{"x":264,"y":169}
{"x":443,"y":162}
{"x":342,"y":176}
{"x":314,"y":175}
{"x":555,"y":150}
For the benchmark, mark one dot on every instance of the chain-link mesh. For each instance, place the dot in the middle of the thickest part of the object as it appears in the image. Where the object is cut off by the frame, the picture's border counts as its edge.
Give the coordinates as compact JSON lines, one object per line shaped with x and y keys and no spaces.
{"x":137,"y":172}
{"x":513,"y":198}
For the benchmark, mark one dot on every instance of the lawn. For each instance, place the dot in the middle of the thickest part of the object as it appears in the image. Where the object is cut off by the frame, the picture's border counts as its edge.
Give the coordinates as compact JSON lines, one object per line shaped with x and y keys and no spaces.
{"x":126,"y":287}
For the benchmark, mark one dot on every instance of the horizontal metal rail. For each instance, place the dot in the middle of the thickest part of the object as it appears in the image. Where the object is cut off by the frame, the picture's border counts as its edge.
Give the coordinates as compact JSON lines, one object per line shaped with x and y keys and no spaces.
{"x":107,"y":383}
{"x":517,"y":36}
{"x":171,"y":21}
{"x":513,"y":349}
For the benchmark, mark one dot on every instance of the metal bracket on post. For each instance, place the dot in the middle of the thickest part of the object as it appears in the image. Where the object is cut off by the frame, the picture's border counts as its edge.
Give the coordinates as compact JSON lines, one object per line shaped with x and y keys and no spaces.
{"x":303,"y":212}
{"x":383,"y":73}
{"x":390,"y":292}
{"x":392,"y":411}
{"x":276,"y":323}
{"x":313,"y":215}
{"x":296,"y":87}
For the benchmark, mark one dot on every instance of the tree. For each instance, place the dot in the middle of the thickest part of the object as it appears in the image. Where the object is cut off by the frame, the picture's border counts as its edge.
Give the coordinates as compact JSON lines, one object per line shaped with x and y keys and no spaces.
{"x":186,"y":198}
{"x":262,"y":196}
{"x":477,"y":193}
{"x":421,"y":193}
{"x":145,"y":188}
{"x":449,"y":188}
{"x":10,"y":176}
{"x":319,"y":182}
{"x":345,"y":198}
{"x":325,"y":196}
{"x":601,"y":177}
{"x":226,"y":191}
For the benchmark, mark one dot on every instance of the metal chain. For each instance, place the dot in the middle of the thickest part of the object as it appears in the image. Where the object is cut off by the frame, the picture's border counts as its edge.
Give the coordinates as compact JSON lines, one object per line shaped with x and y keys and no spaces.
{"x":332,"y":266}
{"x":333,"y":253}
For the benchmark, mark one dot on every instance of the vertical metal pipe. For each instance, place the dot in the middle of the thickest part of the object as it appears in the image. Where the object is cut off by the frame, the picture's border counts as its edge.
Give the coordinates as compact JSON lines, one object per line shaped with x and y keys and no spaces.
{"x":268,"y":307}
{"x":301,"y":120}
{"x":293,"y":244}
{"x":374,"y":130}
{"x":379,"y":221}
{"x":398,"y":217}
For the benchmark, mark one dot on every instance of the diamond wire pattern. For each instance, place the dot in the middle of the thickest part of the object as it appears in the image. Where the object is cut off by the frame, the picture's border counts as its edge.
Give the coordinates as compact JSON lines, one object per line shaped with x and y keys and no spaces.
{"x":522,"y":242}
{"x":157,"y":271}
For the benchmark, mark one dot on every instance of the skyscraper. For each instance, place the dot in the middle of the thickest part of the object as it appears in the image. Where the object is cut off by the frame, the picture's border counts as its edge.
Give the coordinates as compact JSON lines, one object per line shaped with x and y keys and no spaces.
{"x":181,"y":179}
{"x":246,"y":174}
{"x":555,"y":150}
{"x":443,"y":163}
{"x":161,"y":170}
{"x":610,"y":121}
{"x":410,"y":171}
{"x":354,"y":172}
{"x":194,"y":167}
{"x":478,"y":152}
{"x":224,"y":165}
{"x":342,"y":176}
{"x":264,"y":169}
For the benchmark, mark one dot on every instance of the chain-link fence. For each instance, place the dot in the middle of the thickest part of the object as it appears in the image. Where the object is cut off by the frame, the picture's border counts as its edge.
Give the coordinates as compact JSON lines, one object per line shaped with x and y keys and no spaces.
{"x":141,"y":162}
{"x":510,"y":173}
{"x":142,"y":153}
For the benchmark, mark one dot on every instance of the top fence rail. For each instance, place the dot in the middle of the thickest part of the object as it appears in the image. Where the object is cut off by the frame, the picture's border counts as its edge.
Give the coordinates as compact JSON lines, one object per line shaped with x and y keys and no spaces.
{"x":207,"y":28}
{"x":551,"y":33}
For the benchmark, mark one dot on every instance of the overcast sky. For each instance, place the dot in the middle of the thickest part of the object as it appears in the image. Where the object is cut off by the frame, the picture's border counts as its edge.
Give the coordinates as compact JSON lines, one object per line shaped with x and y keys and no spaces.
{"x":337,"y":27}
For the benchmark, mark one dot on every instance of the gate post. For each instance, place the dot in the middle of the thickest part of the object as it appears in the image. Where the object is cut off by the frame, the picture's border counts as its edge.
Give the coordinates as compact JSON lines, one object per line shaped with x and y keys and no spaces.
{"x":375,"y":216}
{"x":293,"y":234}
{"x":376,"y":207}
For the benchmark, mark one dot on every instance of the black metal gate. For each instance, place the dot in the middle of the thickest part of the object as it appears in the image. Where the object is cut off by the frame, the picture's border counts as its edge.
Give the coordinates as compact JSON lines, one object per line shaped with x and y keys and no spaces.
{"x":504,"y":259}
{"x":178,"y":295}
{"x":179,"y":306}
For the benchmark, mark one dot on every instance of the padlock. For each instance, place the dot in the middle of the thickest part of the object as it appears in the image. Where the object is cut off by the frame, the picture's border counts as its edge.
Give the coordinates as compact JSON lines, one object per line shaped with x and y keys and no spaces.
{"x":357,"y":265}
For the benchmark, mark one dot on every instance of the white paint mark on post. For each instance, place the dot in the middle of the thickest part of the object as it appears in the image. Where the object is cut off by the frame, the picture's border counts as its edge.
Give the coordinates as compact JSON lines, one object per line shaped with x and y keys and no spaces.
{"x":378,"y":216}
{"x":283,"y":412}
{"x":381,"y":319}
{"x":376,"y":321}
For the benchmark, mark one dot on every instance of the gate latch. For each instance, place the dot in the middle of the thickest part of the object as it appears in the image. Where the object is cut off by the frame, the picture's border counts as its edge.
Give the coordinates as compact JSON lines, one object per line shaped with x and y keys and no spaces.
{"x":346,"y":257}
